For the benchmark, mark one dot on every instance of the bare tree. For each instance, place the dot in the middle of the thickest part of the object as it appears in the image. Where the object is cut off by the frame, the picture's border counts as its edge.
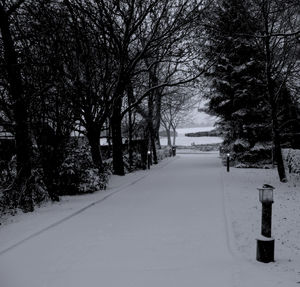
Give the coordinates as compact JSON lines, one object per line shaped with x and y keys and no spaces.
{"x":135,"y":30}
{"x":176,"y":104}
{"x":91,"y":69}
{"x":278,"y":40}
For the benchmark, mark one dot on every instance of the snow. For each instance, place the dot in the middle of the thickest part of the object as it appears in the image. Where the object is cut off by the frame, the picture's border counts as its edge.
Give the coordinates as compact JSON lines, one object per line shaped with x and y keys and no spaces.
{"x":263,"y":238}
{"x":18,"y":228}
{"x":242,"y":143}
{"x":182,"y":140}
{"x":261,"y":146}
{"x":292,"y":158}
{"x":186,"y":222}
{"x":244,"y":211}
{"x":240,"y":68}
{"x":241,"y":112}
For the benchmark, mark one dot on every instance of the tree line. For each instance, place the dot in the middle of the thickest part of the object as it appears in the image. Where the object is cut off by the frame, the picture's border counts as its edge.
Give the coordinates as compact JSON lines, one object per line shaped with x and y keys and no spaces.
{"x":131,"y":66}
{"x":89,"y":66}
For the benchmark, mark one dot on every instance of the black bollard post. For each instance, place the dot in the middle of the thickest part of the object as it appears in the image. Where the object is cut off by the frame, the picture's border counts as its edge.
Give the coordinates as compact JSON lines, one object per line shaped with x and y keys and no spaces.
{"x":266,"y":219}
{"x":228,"y":159}
{"x":149,"y":158}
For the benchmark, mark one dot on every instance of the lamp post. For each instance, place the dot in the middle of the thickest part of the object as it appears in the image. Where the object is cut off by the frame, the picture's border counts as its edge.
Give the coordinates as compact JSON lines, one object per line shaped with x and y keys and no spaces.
{"x":265,"y":244}
{"x":228,"y":159}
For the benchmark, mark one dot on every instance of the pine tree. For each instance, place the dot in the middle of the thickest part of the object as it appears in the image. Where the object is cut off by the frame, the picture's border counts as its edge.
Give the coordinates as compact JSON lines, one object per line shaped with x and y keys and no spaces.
{"x":237,"y":96}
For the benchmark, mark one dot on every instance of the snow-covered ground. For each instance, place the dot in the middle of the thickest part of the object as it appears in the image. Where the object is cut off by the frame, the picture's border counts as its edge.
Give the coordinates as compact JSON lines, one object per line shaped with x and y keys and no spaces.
{"x":244,"y":210}
{"x":186,"y":222}
{"x":182,"y":140}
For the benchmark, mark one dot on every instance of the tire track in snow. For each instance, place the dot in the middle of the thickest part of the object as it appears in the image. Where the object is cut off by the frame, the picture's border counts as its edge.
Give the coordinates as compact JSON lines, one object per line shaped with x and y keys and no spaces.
{"x":81,"y":210}
{"x":229,"y":233}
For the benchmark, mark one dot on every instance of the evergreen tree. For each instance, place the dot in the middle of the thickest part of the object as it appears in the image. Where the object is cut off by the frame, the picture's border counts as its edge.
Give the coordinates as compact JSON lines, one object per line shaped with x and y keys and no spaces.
{"x":237,"y":96}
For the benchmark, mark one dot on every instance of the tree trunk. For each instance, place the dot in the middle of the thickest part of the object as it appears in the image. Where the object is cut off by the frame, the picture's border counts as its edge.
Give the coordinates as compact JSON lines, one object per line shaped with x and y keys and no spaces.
{"x":130,"y":148}
{"x":174,"y":136}
{"x":272,"y":99}
{"x":116,"y":126}
{"x":151,"y":128}
{"x":168,"y":132}
{"x":23,"y":155}
{"x":154,"y":151}
{"x":277,"y":148}
{"x":157,"y":137}
{"x":51,"y":150}
{"x":130,"y":128}
{"x":20,"y":104}
{"x":93,"y":136}
{"x":157,"y":117}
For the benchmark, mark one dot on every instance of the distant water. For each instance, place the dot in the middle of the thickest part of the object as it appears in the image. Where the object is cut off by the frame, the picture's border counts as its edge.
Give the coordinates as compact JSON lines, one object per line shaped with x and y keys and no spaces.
{"x":182,"y":140}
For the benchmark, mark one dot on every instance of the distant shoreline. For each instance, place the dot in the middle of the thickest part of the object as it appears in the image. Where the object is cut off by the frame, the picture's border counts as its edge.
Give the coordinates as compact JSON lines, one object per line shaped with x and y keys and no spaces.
{"x":212,"y":133}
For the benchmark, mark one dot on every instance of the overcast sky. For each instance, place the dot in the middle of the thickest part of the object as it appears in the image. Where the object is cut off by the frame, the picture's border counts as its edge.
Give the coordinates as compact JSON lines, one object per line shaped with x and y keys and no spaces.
{"x":198,"y":119}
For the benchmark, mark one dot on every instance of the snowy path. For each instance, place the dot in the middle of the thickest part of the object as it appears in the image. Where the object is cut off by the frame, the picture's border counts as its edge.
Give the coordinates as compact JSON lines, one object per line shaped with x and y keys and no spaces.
{"x":166,"y":230}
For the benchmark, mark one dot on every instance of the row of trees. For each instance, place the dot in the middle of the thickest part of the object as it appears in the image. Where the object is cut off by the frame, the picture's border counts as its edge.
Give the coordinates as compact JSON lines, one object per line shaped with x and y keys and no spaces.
{"x":91,"y":66}
{"x":70,"y":65}
{"x":255,"y":80}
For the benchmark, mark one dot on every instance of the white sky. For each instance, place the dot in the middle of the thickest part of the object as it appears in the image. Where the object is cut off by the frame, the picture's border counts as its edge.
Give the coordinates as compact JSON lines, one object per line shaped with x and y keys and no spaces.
{"x":198,"y":119}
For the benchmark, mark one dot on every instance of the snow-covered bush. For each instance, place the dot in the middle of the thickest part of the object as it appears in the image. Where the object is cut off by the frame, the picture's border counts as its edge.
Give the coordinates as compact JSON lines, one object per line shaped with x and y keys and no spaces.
{"x":38,"y":187}
{"x":10,"y":198}
{"x":93,"y":180}
{"x":292,"y":158}
{"x":206,"y":147}
{"x":164,"y":152}
{"x":78,"y":174}
{"x":8,"y":171}
{"x":240,"y":145}
{"x":137,"y":162}
{"x":243,"y":155}
{"x":260,"y":154}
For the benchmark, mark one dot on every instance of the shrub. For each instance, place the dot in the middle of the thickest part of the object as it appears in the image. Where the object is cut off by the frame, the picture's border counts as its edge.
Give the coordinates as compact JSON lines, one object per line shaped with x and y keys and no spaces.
{"x":292,"y":158}
{"x":242,"y":155}
{"x":78,"y":174}
{"x":10,"y":198}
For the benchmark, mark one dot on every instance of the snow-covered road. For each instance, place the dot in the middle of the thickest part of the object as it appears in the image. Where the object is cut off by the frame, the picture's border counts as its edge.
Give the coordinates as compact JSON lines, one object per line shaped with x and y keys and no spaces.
{"x":168,"y":229}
